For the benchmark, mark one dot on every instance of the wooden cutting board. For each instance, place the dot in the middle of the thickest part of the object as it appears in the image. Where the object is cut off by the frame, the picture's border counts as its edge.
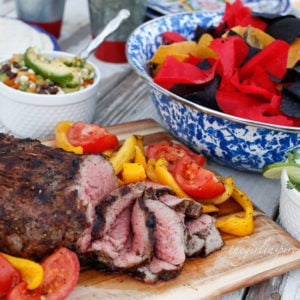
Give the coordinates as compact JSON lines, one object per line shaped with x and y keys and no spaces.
{"x":268,"y":252}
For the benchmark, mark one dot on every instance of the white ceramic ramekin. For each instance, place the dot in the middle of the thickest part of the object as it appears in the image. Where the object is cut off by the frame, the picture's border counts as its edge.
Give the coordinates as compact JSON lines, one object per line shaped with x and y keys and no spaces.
{"x":34,"y":115}
{"x":289,"y":207}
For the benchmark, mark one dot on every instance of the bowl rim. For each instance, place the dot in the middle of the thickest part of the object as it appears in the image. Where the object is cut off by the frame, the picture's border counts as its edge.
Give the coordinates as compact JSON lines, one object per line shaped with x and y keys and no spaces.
{"x":146,"y":77}
{"x":57,"y":99}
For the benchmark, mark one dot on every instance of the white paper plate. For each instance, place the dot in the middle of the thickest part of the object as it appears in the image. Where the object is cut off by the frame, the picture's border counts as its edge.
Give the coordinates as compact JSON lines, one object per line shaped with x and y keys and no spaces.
{"x":16,"y":36}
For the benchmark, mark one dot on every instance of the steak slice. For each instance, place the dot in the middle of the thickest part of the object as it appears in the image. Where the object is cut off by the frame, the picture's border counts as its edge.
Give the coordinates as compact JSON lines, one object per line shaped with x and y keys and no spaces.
{"x":123,"y":230}
{"x":48,"y":197}
{"x":202,"y":237}
{"x":169,"y":245}
{"x":189,"y":207}
{"x":157,"y":270}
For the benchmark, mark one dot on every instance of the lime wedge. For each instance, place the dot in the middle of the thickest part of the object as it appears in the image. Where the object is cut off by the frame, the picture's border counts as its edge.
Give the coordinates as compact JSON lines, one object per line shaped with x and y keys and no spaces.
{"x":273,"y":171}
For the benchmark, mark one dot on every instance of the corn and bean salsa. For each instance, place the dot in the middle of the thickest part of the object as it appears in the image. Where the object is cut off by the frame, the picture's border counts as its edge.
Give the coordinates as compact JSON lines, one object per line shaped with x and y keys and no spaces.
{"x":16,"y":74}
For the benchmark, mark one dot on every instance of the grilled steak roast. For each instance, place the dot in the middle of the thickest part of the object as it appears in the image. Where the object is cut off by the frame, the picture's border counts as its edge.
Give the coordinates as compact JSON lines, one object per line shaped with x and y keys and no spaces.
{"x":48,"y":197}
{"x":51,"y":198}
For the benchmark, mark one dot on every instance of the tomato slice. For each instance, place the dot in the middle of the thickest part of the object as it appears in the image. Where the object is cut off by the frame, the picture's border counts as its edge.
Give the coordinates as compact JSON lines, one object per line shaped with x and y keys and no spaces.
{"x":91,"y":137}
{"x":9,"y":276}
{"x":108,"y":141}
{"x":172,"y":152}
{"x":195,"y":180}
{"x":20,"y":292}
{"x":61,"y":272}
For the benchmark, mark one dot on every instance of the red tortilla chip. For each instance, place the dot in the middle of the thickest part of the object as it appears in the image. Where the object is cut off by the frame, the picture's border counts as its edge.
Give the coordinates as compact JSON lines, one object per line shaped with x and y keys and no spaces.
{"x":273,"y":59}
{"x":238,"y":14}
{"x":173,"y":71}
{"x":231,"y":51}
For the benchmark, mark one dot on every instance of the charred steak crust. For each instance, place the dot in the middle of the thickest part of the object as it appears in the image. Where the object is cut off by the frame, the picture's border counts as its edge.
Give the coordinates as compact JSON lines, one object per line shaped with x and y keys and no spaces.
{"x":43,"y":204}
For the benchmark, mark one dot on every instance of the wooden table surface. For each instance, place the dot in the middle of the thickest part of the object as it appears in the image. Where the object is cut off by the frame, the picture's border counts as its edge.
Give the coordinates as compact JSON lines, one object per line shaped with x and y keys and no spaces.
{"x":124,"y":97}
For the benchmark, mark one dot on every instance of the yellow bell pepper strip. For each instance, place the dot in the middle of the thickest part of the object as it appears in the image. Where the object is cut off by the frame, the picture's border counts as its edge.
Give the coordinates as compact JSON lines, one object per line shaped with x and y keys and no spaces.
{"x":166,"y":178}
{"x":235,"y":223}
{"x":61,"y":140}
{"x":108,"y":153}
{"x":294,"y":53}
{"x":209,"y":208}
{"x":125,"y":154}
{"x":228,"y":184}
{"x":140,"y":157}
{"x":150,"y":170}
{"x":133,"y":172}
{"x":32,"y":273}
{"x":140,"y":143}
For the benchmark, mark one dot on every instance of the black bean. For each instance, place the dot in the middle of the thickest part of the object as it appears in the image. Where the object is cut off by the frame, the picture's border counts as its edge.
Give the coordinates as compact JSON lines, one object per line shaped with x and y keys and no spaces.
{"x":42,"y":91}
{"x":45,"y":86}
{"x":16,"y":65}
{"x":11,"y":74}
{"x":5,"y":68}
{"x":53,"y":90}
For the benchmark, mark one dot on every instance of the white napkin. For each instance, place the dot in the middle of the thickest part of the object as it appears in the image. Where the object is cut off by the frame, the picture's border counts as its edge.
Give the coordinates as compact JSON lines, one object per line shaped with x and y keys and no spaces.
{"x":16,"y":36}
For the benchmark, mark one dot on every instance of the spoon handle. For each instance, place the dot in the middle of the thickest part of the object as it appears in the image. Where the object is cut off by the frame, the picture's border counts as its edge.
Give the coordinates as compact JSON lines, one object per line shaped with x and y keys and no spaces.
{"x":112,"y":26}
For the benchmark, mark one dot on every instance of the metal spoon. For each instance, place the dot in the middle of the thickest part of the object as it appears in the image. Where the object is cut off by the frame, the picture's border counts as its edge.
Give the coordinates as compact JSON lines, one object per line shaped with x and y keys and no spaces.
{"x":112,"y":26}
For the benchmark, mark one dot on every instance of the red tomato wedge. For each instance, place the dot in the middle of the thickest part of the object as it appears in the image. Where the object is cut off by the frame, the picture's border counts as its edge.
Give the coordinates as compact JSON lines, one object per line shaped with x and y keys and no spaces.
{"x":61,"y":272}
{"x":172,"y":152}
{"x":91,"y":137}
{"x":9,"y":276}
{"x":195,"y":180}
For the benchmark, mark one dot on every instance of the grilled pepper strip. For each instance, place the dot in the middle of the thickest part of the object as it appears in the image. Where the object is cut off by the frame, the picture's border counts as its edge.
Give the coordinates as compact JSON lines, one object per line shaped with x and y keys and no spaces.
{"x":133,"y":172}
{"x":228,"y":184}
{"x":234,"y":223}
{"x":61,"y":140}
{"x":166,"y":178}
{"x":140,"y":156}
{"x":32,"y":273}
{"x":150,"y":169}
{"x":125,"y":154}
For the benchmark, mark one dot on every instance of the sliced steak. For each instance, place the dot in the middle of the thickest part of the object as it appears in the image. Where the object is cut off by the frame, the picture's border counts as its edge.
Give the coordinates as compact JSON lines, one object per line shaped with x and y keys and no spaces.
{"x":48,"y":197}
{"x":109,"y":210}
{"x":166,"y":195}
{"x":157,"y":270}
{"x":202,"y":236}
{"x":169,"y":245}
{"x":123,"y":232}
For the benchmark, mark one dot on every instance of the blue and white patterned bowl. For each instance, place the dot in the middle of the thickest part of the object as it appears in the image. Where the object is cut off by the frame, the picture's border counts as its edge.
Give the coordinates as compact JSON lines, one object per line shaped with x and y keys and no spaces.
{"x":235,"y":142}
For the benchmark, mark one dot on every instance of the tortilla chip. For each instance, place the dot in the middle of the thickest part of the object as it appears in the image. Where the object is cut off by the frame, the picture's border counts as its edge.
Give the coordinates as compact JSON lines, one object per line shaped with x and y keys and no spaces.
{"x":181,"y":51}
{"x":253,"y":36}
{"x":294,"y":54}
